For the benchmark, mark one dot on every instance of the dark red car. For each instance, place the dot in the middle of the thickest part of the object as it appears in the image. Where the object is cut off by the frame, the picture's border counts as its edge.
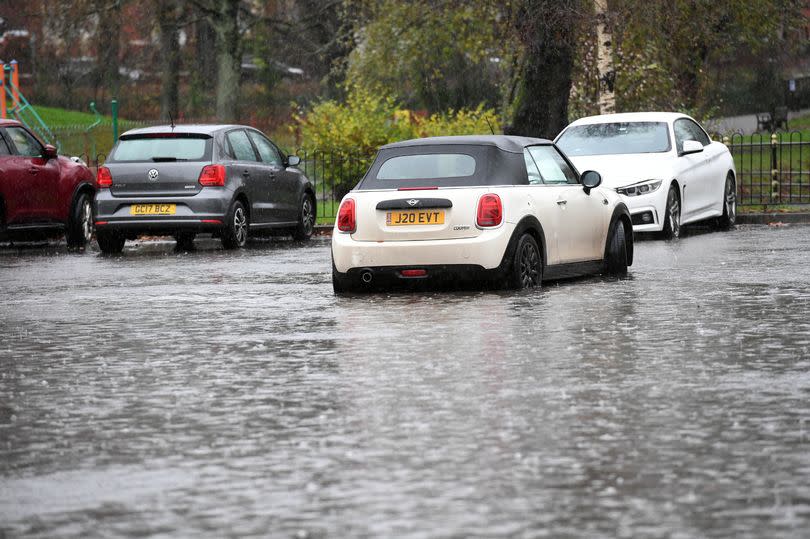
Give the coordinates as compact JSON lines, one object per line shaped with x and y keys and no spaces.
{"x":42,"y":194}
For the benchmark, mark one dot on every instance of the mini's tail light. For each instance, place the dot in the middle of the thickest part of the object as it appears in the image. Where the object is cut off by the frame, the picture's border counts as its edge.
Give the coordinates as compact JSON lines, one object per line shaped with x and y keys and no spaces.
{"x":104,"y":178}
{"x":346,"y":220}
{"x":212,"y":176}
{"x":490,"y":211}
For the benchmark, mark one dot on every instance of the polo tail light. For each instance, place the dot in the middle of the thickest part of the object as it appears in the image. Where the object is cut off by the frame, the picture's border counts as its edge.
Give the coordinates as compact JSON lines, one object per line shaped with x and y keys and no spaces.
{"x":212,"y":176}
{"x":346,"y":219}
{"x":104,"y":178}
{"x":490,"y":211}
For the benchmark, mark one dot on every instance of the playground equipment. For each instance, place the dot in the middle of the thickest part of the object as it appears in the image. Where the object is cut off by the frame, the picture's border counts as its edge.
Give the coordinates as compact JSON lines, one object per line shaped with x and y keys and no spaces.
{"x":20,"y":109}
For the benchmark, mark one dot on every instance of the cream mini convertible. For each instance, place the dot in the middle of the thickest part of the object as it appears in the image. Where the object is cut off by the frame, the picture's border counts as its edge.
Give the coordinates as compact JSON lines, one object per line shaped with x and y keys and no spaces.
{"x":502,"y":210}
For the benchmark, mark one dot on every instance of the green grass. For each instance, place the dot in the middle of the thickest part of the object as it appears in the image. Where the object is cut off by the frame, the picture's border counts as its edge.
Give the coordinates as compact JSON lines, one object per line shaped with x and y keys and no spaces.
{"x":772,"y":208}
{"x":55,"y":117}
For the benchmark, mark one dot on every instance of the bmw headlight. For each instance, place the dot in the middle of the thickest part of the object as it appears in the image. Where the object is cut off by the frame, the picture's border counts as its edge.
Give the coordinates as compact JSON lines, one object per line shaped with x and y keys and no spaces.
{"x":641,"y":188}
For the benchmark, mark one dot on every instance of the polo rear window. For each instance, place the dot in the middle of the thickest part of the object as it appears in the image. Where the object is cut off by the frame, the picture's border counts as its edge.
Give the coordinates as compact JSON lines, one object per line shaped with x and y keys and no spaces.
{"x":163,"y":147}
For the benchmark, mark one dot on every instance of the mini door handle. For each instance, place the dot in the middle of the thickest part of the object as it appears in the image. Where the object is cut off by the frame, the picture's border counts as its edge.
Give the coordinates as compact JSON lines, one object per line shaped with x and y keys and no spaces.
{"x":562,"y":202}
{"x":246,"y":173}
{"x":33,"y":170}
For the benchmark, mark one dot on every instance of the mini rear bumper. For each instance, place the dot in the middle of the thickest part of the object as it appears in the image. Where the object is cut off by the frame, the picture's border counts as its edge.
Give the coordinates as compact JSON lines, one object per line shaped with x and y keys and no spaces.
{"x":445,"y":275}
{"x":484,"y":251}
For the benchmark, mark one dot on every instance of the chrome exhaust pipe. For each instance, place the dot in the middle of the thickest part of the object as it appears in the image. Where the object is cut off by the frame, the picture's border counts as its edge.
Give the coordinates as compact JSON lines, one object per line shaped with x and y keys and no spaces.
{"x":367,"y":276}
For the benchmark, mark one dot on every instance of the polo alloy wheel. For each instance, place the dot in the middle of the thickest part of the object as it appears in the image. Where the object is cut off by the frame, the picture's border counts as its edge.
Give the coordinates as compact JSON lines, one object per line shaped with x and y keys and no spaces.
{"x":306,"y":220}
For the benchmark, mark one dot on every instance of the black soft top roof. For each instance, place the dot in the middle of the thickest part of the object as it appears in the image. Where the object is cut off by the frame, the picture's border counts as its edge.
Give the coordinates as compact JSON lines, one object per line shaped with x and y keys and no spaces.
{"x":508,"y":143}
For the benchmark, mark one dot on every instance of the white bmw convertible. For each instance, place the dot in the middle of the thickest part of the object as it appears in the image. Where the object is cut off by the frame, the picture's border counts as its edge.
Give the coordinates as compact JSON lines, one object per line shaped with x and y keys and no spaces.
{"x":665,"y":166}
{"x":505,"y":210}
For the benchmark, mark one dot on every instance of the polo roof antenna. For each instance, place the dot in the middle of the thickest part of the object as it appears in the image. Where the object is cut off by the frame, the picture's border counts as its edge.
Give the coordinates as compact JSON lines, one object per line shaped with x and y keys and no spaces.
{"x":490,"y":125}
{"x":171,"y":120}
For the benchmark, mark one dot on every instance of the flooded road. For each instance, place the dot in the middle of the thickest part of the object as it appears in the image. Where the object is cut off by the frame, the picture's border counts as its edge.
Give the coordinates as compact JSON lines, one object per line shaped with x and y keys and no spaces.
{"x":226,"y":394}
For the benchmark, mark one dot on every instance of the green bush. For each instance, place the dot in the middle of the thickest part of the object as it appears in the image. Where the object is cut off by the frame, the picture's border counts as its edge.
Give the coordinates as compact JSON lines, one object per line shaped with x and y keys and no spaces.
{"x":351,"y":132}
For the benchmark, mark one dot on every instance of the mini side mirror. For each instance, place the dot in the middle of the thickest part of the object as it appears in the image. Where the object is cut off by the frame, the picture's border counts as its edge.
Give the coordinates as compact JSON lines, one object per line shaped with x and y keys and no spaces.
{"x":590,"y":179}
{"x":293,"y":161}
{"x":691,"y":146}
{"x":49,"y":152}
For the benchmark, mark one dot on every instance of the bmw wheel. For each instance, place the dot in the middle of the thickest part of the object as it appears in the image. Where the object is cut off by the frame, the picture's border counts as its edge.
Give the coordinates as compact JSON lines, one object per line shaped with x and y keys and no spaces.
{"x":729,"y":204}
{"x":616,"y":260}
{"x":235,"y":234}
{"x":672,"y":215}
{"x":306,"y":219}
{"x":527,"y":264}
{"x":80,"y":227}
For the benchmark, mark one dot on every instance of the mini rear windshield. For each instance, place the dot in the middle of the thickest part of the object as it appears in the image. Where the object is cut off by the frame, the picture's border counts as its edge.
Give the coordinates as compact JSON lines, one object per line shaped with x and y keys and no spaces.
{"x":615,"y":138}
{"x":163,"y":147}
{"x":444,"y":165}
{"x":437,"y":165}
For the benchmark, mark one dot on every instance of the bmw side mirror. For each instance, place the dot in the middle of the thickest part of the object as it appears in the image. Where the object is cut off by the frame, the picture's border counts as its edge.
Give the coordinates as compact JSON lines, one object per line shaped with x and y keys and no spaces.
{"x":691,"y":146}
{"x":590,"y":179}
{"x":49,"y":152}
{"x":293,"y":161}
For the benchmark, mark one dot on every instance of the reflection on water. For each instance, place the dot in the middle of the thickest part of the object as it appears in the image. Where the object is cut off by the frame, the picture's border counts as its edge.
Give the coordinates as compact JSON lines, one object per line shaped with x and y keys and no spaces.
{"x":223,"y":393}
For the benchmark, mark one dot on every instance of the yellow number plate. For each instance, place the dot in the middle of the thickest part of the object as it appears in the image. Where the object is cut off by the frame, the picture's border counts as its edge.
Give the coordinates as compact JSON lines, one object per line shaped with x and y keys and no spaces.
{"x":153,"y":209}
{"x":414,"y":217}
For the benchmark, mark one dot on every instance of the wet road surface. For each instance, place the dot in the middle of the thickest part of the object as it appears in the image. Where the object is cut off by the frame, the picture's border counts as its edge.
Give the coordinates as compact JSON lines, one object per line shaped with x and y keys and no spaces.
{"x":228,"y":394}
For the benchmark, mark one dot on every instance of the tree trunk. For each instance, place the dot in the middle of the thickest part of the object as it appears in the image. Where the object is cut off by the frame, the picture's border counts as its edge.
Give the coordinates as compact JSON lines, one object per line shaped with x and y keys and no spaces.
{"x":546,"y":29}
{"x":108,"y":48}
{"x":541,"y":100}
{"x":168,"y":15}
{"x":229,"y":60}
{"x":604,"y":59}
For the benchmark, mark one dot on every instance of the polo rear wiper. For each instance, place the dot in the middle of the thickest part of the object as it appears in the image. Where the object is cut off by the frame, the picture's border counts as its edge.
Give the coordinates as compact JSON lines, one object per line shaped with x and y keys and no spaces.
{"x":166,"y":159}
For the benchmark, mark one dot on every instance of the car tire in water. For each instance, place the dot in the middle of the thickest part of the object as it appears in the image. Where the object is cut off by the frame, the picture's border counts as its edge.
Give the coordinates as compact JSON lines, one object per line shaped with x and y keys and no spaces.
{"x":235,"y":233}
{"x":729,"y":216}
{"x":527,"y":264}
{"x":616,"y":260}
{"x":110,"y":242}
{"x":80,"y":225}
{"x":341,"y":284}
{"x":672,"y":215}
{"x":185,"y":240}
{"x":306,"y":219}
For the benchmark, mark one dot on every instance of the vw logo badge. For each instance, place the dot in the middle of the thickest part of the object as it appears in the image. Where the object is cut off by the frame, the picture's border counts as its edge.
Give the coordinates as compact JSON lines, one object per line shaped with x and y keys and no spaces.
{"x":153,"y":174}
{"x":412,"y":202}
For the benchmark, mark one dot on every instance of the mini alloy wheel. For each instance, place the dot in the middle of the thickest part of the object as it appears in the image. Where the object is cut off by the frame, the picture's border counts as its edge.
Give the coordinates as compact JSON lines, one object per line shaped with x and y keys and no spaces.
{"x":616,"y":261}
{"x":527,"y":267}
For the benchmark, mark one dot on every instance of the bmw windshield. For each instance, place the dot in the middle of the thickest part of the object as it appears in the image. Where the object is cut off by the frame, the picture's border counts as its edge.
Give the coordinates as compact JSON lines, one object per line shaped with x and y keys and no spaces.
{"x":615,"y":138}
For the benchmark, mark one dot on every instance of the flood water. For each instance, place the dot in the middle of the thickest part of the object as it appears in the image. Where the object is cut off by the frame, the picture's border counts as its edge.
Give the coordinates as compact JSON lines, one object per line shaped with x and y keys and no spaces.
{"x":223,"y":394}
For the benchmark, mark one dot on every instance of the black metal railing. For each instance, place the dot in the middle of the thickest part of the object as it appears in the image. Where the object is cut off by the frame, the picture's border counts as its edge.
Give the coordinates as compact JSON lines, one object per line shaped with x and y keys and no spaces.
{"x":771,"y":169}
{"x":334,"y":173}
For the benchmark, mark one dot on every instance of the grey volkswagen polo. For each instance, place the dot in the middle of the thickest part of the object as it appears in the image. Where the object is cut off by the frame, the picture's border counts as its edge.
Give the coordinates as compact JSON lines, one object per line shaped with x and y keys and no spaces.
{"x":227,"y":180}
